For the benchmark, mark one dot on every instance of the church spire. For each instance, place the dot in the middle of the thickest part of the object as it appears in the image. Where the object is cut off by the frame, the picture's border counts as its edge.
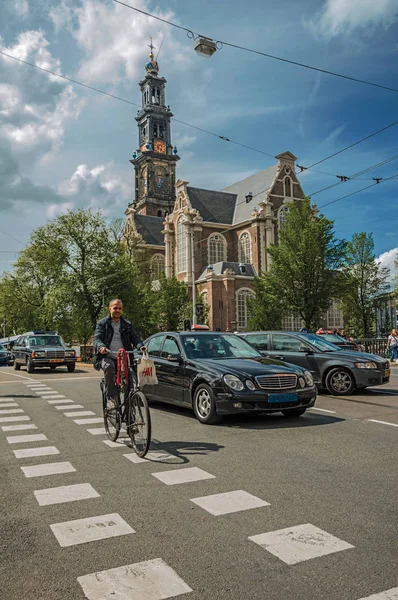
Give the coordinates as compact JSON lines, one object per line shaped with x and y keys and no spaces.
{"x":152,"y":67}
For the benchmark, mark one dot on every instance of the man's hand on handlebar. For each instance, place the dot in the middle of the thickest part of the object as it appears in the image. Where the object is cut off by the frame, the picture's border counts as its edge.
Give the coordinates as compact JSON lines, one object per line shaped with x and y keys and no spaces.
{"x":103,"y":350}
{"x":143,"y":349}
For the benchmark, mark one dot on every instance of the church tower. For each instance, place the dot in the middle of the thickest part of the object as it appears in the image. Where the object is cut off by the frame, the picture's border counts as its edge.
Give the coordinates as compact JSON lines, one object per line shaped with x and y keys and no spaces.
{"x":155,"y":160}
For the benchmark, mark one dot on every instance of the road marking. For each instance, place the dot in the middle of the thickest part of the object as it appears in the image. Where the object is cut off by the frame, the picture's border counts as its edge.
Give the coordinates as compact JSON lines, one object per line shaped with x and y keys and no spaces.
{"x":48,"y":469}
{"x":97,"y":430}
{"x":12,"y":419}
{"x":11,"y":411}
{"x":68,"y":406}
{"x":2,"y":400}
{"x":34,"y":437}
{"x":88,"y":421}
{"x":8,"y":404}
{"x":19,"y":376}
{"x":44,"y":391}
{"x":150,"y":579}
{"x":29,"y":452}
{"x":79,"y":413}
{"x":53,"y":396}
{"x":151,"y":456}
{"x":383,"y":422}
{"x":18,"y":427}
{"x":302,"y":542}
{"x":391,"y":594}
{"x":120,"y":444}
{"x":66,"y":401}
{"x":65,"y":493}
{"x":229,"y":502}
{"x":186,"y":475}
{"x":333,"y":412}
{"x":38,"y":383}
{"x":81,"y":531}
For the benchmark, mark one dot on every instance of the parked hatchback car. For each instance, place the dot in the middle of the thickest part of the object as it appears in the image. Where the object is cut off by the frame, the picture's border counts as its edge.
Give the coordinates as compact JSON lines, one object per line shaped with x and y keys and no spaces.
{"x":338,"y":340}
{"x":337,"y":370}
{"x":217,"y":374}
{"x":42,"y":349}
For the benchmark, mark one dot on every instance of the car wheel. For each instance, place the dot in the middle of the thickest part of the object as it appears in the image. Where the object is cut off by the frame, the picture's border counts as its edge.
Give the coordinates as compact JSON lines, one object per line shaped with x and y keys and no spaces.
{"x":30,"y":366}
{"x":340,"y":382}
{"x":294,"y":412}
{"x":17,"y":366}
{"x":53,"y":367}
{"x":71,"y":368}
{"x":204,"y":405}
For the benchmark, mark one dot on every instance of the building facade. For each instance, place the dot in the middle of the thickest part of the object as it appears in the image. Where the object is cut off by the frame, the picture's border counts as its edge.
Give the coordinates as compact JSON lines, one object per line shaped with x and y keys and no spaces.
{"x":216,"y":239}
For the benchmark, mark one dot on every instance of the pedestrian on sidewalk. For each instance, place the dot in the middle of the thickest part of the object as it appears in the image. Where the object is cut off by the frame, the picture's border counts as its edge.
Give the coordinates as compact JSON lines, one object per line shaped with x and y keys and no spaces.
{"x":392,"y":345}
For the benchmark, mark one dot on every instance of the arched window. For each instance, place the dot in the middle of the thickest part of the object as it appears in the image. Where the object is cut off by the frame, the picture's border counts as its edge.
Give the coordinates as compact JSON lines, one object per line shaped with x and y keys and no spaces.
{"x":242,"y":297}
{"x":283,"y":212}
{"x":288,"y":187}
{"x":245,"y":248}
{"x":205,"y":298}
{"x":217,"y":248}
{"x":182,"y":246}
{"x":157,"y":266}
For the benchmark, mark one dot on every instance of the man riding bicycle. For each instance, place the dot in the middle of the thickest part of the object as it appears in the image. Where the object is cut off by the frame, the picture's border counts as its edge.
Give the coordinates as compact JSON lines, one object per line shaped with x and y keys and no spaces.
{"x":111,"y":334}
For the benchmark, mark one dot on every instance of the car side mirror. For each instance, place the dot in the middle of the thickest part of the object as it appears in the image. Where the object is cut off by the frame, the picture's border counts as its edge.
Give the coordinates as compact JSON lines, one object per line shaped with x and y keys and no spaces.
{"x":307,"y":351}
{"x":264,"y":353}
{"x":175,"y":358}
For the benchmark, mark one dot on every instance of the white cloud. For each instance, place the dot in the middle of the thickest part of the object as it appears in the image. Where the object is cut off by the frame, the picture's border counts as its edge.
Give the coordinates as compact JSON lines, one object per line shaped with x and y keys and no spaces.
{"x":115,"y":38}
{"x":20,"y":7}
{"x":34,"y":107}
{"x":342,"y":17}
{"x":387,"y":259}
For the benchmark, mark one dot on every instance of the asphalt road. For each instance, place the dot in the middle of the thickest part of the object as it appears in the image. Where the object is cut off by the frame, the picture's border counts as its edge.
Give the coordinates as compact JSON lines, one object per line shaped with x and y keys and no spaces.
{"x":317,"y":494}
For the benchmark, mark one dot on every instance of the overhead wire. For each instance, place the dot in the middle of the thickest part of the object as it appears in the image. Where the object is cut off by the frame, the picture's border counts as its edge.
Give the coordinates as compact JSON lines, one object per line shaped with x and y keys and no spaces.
{"x":358,"y":191}
{"x":258,"y":52}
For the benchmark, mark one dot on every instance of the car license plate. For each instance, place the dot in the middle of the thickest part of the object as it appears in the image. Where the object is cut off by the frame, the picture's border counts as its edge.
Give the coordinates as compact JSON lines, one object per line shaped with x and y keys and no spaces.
{"x":282,"y":398}
{"x":387,"y":373}
{"x":52,"y":360}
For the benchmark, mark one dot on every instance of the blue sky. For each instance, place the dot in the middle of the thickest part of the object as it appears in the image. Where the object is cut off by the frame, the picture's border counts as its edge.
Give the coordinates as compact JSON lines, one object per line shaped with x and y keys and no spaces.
{"x":63,"y":147}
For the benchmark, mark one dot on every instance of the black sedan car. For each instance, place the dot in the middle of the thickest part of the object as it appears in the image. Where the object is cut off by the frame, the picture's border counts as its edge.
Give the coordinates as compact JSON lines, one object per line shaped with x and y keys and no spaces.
{"x":218,"y":374}
{"x":337,"y":370}
{"x":5,"y":356}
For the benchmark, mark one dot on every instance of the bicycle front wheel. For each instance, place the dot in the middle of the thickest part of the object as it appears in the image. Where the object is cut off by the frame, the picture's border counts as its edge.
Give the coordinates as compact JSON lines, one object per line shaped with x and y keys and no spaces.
{"x":113,"y":423}
{"x":139,"y":423}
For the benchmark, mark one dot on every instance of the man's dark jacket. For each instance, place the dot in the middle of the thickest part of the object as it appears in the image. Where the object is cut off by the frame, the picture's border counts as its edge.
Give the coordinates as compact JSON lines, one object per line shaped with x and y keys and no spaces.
{"x":104,"y":333}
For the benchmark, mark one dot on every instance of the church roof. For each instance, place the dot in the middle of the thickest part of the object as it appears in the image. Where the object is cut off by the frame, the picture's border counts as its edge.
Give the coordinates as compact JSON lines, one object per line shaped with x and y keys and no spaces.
{"x":150,"y":228}
{"x":214,"y":207}
{"x":257,"y":184}
{"x":219,"y":268}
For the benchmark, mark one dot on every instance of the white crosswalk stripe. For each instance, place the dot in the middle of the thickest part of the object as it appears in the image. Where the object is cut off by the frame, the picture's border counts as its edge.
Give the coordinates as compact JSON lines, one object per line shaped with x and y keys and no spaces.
{"x":18,"y":439}
{"x":48,"y":469}
{"x":65,"y":493}
{"x":179,"y":476}
{"x":32,"y":452}
{"x":11,"y":411}
{"x":18,"y":427}
{"x":90,"y":529}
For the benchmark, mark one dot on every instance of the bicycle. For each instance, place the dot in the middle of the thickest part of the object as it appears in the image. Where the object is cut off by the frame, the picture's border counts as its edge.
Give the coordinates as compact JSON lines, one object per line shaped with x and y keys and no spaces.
{"x":133,"y":411}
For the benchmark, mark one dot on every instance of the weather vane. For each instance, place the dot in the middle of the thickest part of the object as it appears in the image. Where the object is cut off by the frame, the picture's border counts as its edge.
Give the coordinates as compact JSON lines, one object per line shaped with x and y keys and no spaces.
{"x":151,"y":46}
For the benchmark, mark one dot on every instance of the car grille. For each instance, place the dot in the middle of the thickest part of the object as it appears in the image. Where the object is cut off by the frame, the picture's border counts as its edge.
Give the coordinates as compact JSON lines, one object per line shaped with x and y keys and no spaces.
{"x":55,"y":354}
{"x":277,"y":382}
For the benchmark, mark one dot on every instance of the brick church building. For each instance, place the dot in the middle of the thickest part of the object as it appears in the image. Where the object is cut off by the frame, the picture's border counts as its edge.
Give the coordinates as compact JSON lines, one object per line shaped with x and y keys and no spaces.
{"x":216,"y":238}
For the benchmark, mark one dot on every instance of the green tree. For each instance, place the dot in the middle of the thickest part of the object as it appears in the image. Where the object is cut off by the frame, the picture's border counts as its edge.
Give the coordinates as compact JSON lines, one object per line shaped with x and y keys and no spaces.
{"x":172,"y":304}
{"x":363,"y":282}
{"x":303,"y":275}
{"x":265,"y":309}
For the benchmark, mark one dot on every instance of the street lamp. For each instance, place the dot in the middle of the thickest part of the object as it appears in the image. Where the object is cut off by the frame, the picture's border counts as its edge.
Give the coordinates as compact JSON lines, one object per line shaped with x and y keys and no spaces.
{"x":205,"y":47}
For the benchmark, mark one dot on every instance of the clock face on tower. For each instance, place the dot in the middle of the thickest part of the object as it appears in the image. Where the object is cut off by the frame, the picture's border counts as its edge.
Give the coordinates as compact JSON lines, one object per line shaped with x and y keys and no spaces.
{"x":159,"y":146}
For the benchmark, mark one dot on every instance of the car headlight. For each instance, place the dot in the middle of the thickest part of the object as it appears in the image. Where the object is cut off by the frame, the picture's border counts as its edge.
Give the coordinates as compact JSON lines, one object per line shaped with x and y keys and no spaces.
{"x":38,"y":354}
{"x":250,"y":384}
{"x":366,"y":365}
{"x":69,"y":353}
{"x":309,"y":380}
{"x":233,"y":382}
{"x":301,"y":382}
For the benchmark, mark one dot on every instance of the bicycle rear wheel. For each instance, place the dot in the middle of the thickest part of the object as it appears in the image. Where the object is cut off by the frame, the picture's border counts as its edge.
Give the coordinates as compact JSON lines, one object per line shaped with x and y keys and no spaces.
{"x":139,"y":423}
{"x":113,"y":423}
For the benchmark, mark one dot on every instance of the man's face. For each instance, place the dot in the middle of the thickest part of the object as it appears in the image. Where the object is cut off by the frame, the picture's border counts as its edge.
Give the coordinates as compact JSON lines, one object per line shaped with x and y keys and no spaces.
{"x":115,"y":310}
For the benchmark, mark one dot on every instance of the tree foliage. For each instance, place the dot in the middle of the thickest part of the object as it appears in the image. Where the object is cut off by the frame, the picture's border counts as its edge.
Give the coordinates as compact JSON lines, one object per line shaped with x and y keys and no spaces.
{"x":363,"y":283}
{"x":303,"y":275}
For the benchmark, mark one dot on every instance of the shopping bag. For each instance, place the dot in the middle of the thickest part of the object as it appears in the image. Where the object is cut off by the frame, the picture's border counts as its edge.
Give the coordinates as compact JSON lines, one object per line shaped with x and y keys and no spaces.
{"x":146,"y":371}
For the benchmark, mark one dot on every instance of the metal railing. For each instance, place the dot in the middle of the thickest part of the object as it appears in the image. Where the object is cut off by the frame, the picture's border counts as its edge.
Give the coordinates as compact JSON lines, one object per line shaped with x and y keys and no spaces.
{"x":374,"y":346}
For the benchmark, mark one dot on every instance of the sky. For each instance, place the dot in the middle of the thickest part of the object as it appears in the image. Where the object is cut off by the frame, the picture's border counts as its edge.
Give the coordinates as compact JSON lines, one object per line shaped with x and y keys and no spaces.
{"x":64,"y":147}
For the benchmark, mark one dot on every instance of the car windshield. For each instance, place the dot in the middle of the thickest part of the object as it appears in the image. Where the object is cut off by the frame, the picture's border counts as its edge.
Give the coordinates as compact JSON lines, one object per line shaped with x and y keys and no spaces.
{"x":216,"y":346}
{"x":319,"y":342}
{"x":45,"y":340}
{"x":333,"y":338}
